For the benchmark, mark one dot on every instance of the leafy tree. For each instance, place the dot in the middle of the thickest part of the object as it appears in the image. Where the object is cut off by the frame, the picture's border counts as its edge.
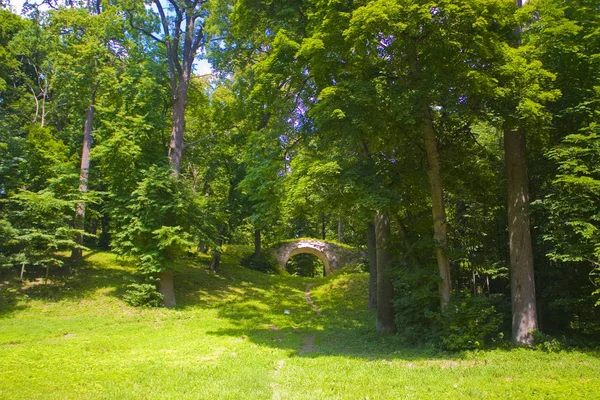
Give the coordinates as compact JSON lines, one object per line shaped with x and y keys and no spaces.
{"x":39,"y":226}
{"x":155,"y":229}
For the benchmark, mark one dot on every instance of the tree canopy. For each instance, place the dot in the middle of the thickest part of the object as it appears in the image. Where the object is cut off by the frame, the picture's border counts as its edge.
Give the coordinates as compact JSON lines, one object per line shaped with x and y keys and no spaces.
{"x":457,"y":141}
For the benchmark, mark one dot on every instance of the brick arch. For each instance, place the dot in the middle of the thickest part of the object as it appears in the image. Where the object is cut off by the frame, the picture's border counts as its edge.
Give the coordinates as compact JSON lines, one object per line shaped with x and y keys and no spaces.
{"x":332,"y":255}
{"x":315,"y":252}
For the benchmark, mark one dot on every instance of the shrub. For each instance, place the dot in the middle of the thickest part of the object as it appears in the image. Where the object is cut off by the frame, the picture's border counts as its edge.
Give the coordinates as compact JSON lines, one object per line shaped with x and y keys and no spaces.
{"x":470,"y":322}
{"x":143,"y":295}
{"x":264,"y":264}
{"x":417,"y":304}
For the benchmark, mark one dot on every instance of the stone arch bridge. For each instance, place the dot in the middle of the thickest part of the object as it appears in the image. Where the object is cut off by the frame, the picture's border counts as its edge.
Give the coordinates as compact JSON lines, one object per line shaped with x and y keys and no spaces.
{"x":332,"y":255}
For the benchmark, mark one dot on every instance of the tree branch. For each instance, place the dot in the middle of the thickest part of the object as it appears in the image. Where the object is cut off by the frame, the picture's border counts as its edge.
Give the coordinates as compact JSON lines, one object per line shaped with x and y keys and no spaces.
{"x":142,"y":30}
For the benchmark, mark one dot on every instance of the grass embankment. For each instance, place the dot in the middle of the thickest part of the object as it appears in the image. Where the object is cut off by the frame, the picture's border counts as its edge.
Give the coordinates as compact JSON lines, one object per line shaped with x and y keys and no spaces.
{"x":230,"y":338}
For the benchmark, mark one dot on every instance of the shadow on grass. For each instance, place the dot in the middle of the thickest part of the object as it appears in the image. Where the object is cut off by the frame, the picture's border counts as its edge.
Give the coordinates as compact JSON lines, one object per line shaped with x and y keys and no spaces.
{"x":9,"y":298}
{"x":67,"y":283}
{"x":273,"y":311}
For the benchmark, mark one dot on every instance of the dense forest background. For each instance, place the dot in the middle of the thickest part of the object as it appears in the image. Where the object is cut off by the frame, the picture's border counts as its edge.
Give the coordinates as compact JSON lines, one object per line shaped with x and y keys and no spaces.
{"x":353,"y":121}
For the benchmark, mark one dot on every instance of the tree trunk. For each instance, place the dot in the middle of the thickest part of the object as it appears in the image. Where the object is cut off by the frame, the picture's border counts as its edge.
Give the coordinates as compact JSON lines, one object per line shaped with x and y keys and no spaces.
{"x":167,"y":288}
{"x":216,"y":258}
{"x":522,"y":283}
{"x":341,"y":230}
{"x":323,"y":226}
{"x":372,"y":254}
{"x":385,"y":289}
{"x":79,"y":222}
{"x":201,"y":247}
{"x":440,"y":226}
{"x":178,"y":121}
{"x":257,"y":243}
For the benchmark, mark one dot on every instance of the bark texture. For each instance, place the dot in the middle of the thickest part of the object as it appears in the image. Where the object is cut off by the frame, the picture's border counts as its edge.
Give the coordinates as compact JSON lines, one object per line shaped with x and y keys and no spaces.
{"x":440,"y":226}
{"x":385,"y":290}
{"x":372,"y":255}
{"x":178,"y":122}
{"x":167,"y":288}
{"x":522,"y":282}
{"x":257,"y":243}
{"x":79,"y":222}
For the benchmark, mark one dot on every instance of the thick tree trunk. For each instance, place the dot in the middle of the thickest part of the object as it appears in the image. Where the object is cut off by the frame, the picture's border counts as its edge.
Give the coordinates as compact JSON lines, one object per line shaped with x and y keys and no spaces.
{"x":385,"y":289}
{"x":522,"y":282}
{"x":440,"y":226}
{"x":372,"y":254}
{"x":178,"y":121}
{"x":341,"y":230}
{"x":257,"y":243}
{"x":167,"y":288}
{"x":79,"y":222}
{"x":201,"y":248}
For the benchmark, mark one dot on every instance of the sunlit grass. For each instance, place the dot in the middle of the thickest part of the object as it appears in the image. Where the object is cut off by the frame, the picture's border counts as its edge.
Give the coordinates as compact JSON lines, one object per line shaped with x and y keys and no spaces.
{"x":231,"y":338}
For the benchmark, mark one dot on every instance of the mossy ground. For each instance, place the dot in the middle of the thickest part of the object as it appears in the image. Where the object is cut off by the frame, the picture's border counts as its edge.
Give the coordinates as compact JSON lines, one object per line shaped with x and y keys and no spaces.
{"x":230,"y":338}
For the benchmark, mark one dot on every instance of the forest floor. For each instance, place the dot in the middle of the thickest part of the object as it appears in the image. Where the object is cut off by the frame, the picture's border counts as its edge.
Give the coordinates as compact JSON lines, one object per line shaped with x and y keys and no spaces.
{"x":230,"y":337}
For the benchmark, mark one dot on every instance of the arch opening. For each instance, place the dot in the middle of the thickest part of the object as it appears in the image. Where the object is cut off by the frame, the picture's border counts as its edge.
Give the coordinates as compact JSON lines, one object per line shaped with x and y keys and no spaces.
{"x":305,"y":265}
{"x":319,"y":255}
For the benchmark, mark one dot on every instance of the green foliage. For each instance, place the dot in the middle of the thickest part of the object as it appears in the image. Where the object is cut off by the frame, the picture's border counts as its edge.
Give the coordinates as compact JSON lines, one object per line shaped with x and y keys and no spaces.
{"x":547,"y":343}
{"x":156,"y":222}
{"x":37,"y":228}
{"x":305,"y":265}
{"x":472,"y":322}
{"x":577,"y":190}
{"x":143,"y":295}
{"x":316,"y":118}
{"x":416,"y":304}
{"x":7,"y":241}
{"x":265,"y":263}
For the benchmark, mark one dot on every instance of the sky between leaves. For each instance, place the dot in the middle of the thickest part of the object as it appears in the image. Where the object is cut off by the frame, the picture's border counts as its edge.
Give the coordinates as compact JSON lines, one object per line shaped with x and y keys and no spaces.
{"x":201,"y":67}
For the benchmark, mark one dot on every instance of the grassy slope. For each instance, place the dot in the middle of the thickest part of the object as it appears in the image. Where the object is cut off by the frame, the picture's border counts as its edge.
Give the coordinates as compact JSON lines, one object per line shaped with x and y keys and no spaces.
{"x":230,"y":338}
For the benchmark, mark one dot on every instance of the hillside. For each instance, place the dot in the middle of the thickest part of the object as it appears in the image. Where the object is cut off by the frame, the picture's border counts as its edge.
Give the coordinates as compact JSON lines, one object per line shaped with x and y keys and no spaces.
{"x":231,"y":338}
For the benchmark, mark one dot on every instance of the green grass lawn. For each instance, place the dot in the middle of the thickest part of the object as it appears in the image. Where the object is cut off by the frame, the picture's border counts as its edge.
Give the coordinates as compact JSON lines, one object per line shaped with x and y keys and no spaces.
{"x":229,"y":338}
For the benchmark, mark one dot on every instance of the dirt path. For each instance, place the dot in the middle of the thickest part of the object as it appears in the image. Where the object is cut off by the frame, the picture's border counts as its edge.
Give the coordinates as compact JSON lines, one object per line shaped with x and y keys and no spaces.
{"x":309,"y":300}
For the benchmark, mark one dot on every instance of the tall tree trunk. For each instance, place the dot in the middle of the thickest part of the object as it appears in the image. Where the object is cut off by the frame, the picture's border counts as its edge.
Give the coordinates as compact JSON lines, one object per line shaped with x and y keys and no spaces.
{"x":341,"y":230}
{"x":522,"y":279}
{"x":178,"y":128}
{"x":440,"y":226}
{"x":385,"y":289}
{"x":522,"y":282}
{"x":79,"y":222}
{"x":257,"y":243}
{"x":167,"y":288}
{"x":323,"y":226}
{"x":181,"y":38}
{"x":372,"y":254}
